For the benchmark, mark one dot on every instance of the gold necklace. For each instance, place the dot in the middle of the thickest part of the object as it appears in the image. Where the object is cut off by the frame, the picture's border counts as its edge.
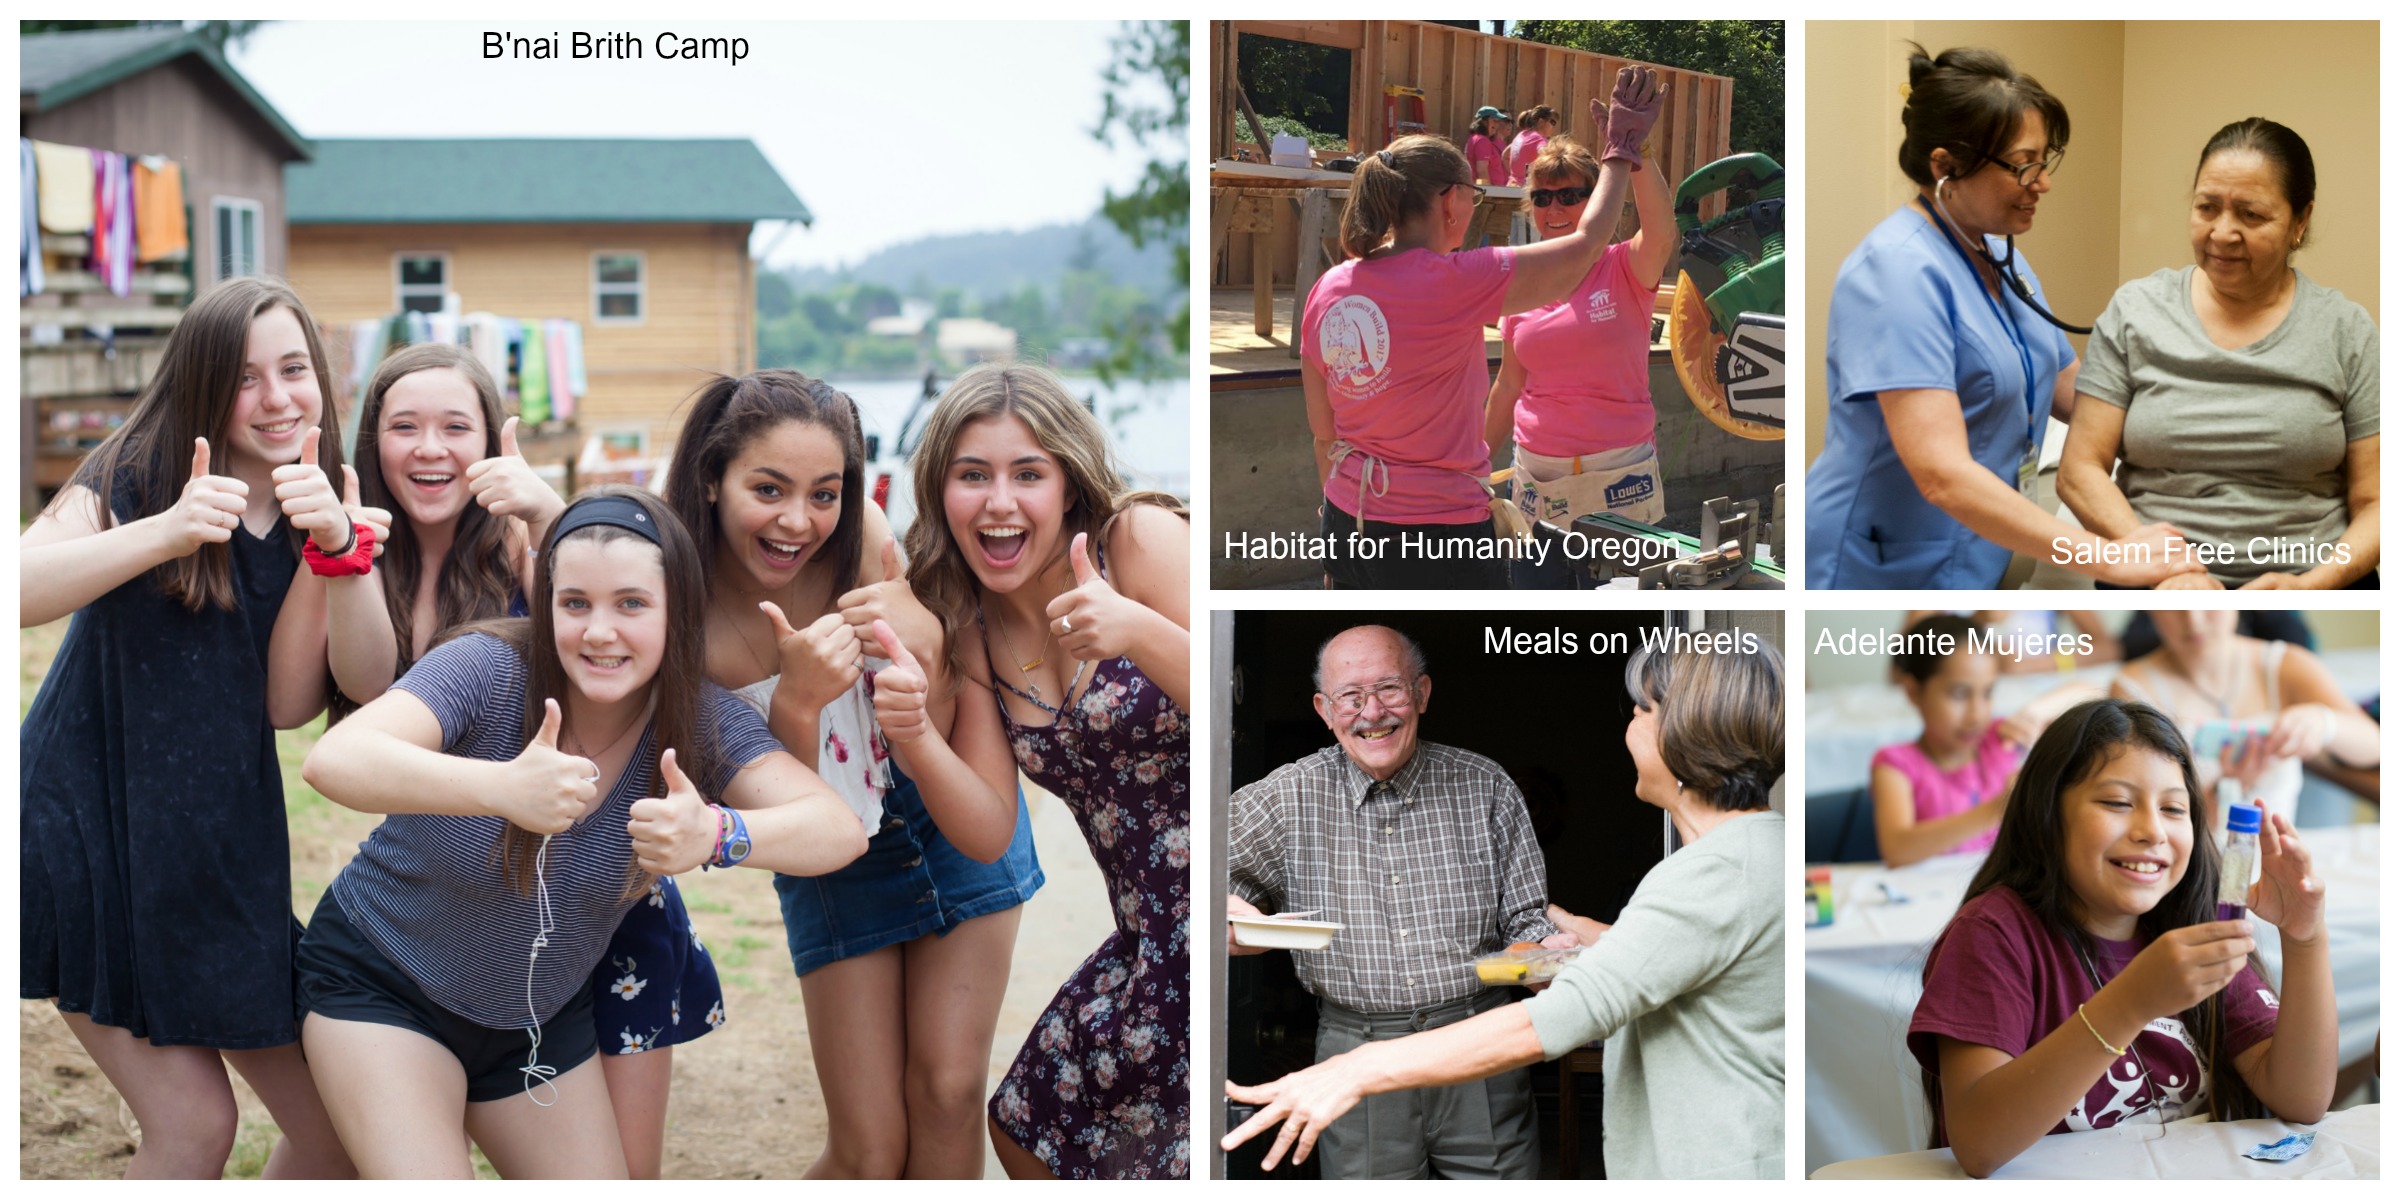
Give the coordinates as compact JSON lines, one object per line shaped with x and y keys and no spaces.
{"x":1026,"y":668}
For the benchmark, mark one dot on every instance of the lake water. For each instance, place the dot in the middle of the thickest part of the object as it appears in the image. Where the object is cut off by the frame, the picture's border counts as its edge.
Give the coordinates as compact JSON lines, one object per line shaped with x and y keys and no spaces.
{"x":1150,"y":426}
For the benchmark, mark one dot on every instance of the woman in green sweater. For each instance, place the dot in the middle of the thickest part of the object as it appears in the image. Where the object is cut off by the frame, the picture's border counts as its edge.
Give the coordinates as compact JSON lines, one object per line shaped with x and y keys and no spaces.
{"x":1687,"y":986}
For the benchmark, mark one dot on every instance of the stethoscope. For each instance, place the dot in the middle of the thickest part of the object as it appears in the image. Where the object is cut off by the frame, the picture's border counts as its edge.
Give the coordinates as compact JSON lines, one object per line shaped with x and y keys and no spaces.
{"x":2005,"y":267}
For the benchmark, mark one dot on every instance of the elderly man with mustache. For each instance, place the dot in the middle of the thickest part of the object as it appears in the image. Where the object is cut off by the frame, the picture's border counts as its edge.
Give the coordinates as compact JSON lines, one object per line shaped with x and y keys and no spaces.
{"x":1424,"y":855}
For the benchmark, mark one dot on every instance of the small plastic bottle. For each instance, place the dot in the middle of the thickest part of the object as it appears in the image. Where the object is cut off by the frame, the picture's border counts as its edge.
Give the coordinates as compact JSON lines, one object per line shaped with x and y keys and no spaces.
{"x":2240,"y":861}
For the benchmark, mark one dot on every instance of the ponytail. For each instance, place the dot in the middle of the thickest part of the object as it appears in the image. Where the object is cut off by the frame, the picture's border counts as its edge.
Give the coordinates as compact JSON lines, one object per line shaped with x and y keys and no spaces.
{"x":1395,"y":184}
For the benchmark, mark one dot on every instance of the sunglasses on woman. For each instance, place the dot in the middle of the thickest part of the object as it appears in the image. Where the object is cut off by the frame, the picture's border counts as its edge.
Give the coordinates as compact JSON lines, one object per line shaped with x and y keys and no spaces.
{"x":1565,"y":197}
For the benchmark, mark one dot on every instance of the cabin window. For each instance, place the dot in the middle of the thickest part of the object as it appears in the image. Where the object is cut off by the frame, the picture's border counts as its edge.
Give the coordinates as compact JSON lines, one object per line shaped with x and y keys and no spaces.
{"x":617,"y":288}
{"x":419,"y":281}
{"x":239,"y":224}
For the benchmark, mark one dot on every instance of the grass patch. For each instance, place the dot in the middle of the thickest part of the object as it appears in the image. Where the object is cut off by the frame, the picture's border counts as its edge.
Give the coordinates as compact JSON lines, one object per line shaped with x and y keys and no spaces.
{"x":698,"y":904}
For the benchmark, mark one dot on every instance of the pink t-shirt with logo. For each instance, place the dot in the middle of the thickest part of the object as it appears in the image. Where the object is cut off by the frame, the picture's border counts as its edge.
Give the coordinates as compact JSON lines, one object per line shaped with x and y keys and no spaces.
{"x":1587,"y":364}
{"x":1998,"y":977}
{"x":1481,"y":149}
{"x":1399,"y":342}
{"x":1940,"y":793}
{"x":1521,"y":153}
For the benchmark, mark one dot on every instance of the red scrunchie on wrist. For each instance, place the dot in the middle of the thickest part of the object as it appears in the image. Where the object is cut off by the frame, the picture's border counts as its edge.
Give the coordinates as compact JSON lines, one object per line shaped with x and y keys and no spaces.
{"x":358,"y":560}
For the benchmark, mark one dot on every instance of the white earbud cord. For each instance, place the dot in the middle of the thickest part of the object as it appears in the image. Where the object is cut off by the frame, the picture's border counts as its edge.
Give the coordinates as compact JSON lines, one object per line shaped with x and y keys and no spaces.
{"x":536,"y":1071}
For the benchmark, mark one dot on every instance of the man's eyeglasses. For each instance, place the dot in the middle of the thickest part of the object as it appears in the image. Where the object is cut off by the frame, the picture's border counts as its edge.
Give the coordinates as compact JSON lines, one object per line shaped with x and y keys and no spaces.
{"x":1390,"y":693}
{"x":1564,"y":197}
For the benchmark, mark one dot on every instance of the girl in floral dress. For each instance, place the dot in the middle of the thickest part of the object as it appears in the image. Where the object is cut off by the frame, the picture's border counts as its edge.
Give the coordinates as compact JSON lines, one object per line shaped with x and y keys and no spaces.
{"x":1066,"y":599}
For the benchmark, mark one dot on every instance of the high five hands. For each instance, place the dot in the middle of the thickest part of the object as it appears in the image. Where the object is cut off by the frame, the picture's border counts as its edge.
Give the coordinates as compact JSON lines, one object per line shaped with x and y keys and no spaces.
{"x":1632,"y":109}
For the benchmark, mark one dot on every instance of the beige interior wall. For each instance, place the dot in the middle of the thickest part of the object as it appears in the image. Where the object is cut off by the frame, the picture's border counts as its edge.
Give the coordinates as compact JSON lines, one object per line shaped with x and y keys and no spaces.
{"x":2325,"y":90}
{"x":1855,"y":72}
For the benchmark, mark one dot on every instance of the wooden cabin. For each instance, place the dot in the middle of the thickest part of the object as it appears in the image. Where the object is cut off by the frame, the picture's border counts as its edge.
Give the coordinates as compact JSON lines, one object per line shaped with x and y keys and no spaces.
{"x":646,"y":243}
{"x":84,"y":351}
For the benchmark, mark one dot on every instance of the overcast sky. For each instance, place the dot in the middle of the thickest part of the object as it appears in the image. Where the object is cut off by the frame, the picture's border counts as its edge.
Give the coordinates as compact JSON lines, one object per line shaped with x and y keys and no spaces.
{"x":887,"y":132}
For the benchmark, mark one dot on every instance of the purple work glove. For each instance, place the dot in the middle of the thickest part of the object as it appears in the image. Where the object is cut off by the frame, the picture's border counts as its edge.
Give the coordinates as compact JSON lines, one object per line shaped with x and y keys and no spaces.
{"x":1632,"y":109}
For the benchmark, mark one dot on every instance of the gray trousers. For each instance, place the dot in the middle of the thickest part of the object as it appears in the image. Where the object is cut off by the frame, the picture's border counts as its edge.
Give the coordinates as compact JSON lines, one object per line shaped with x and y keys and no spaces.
{"x":1477,"y":1130}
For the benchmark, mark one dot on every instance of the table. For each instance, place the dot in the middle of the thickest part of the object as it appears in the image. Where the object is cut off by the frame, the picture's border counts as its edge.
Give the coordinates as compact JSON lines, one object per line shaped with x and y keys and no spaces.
{"x":1847,"y":725}
{"x":1865,"y":1096}
{"x":2196,"y":1148}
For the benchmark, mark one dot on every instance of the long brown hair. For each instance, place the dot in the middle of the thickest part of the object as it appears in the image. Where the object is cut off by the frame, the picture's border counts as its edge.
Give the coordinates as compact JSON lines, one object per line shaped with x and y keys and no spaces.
{"x":478,"y":574}
{"x":2029,"y":859}
{"x":1097,"y":492}
{"x":192,"y":396}
{"x":727,"y":414}
{"x":675,"y":690}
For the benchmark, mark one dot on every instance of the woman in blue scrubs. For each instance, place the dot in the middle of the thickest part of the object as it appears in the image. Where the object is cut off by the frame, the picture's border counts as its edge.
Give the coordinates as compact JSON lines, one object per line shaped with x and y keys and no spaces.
{"x":1942,"y":379}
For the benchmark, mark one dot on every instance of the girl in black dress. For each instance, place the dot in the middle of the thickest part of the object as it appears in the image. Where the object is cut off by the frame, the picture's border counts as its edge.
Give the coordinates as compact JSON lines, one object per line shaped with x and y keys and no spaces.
{"x":156,"y":905}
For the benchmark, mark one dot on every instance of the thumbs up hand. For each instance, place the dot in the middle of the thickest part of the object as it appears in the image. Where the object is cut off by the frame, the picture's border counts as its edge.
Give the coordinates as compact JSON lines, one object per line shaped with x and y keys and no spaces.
{"x":819,"y":662}
{"x":308,"y":498}
{"x":893,"y":602}
{"x":377,"y":520}
{"x":506,"y":485}
{"x":676,"y":832}
{"x":900,"y":689}
{"x":544,"y":789}
{"x":209,"y":509}
{"x":1092,"y":620}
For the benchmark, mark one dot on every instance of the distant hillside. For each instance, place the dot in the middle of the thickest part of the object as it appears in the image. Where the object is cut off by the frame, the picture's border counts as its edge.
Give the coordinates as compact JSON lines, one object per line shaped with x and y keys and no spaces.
{"x":985,"y":264}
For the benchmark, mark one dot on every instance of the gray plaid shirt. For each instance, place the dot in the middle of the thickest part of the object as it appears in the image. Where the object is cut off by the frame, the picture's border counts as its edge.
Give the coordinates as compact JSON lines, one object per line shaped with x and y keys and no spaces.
{"x":1424,"y":873}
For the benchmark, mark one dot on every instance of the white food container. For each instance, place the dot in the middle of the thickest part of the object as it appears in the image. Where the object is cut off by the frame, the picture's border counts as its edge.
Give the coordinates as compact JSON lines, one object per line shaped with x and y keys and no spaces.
{"x":1282,"y":933}
{"x":1290,"y":150}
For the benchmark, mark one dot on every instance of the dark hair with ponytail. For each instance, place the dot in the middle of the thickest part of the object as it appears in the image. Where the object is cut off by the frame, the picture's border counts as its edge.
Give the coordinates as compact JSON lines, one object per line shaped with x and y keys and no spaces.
{"x":2029,"y":858}
{"x":1970,"y":102}
{"x":2280,"y":147}
{"x":727,"y":413}
{"x":1720,"y":719}
{"x":1396,"y":183}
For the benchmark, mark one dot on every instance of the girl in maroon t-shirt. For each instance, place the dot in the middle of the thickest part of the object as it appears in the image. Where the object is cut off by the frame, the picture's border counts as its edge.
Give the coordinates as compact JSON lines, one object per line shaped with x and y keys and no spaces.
{"x":2085,"y":981}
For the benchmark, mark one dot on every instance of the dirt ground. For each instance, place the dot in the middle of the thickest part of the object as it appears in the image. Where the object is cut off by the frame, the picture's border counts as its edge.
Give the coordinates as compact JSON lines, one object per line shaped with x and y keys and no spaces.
{"x":745,"y":1103}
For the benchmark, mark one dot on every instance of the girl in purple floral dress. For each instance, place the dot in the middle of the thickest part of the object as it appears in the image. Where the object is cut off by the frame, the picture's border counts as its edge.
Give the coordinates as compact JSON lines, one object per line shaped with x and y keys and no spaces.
{"x":1067,"y":603}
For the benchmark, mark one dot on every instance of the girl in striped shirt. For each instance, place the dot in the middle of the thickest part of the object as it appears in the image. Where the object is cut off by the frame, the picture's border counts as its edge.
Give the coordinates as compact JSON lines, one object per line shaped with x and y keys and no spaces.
{"x":538,"y":772}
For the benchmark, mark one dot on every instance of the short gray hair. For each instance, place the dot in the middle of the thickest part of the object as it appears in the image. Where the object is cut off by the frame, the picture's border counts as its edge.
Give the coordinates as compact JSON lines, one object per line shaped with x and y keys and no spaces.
{"x":1412,"y":656}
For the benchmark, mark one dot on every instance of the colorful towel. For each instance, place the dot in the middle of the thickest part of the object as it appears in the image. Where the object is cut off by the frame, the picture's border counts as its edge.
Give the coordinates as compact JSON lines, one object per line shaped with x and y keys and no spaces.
{"x":158,"y":225}
{"x":65,"y":178}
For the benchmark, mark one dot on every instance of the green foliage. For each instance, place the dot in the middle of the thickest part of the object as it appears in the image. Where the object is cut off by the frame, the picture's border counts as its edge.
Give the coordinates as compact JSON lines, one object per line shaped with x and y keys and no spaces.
{"x":1299,"y":82}
{"x":1159,"y":207}
{"x":1275,"y":125}
{"x":1750,"y":52}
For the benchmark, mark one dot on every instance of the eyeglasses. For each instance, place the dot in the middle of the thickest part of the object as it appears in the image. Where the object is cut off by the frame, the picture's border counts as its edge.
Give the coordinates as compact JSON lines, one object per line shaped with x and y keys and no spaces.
{"x":1563,"y":197}
{"x":1473,"y":187}
{"x":2026,"y":172}
{"x":1390,"y":693}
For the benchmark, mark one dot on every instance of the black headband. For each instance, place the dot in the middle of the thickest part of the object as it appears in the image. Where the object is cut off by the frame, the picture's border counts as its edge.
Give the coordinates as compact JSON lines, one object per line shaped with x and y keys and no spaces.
{"x":620,"y":511}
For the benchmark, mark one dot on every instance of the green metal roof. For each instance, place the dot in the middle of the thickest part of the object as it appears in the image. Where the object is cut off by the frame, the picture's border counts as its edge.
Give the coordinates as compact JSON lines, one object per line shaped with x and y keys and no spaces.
{"x":56,"y":69}
{"x":358,"y":181}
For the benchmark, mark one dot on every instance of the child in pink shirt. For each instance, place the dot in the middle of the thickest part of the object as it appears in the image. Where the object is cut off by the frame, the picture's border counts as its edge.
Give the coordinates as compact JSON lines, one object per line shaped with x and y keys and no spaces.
{"x":1945,"y":792}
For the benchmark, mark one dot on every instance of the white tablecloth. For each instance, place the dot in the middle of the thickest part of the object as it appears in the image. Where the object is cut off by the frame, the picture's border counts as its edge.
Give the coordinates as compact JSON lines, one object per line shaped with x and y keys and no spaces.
{"x":1847,"y":725}
{"x":1865,"y":1096}
{"x":2347,"y":1147}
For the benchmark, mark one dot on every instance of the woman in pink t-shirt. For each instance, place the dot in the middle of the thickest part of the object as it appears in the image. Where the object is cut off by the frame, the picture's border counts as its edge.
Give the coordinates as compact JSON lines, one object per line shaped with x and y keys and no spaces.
{"x":1484,"y":146}
{"x":1535,"y":126}
{"x":1392,"y":339}
{"x":2087,"y":981}
{"x":1574,"y":387}
{"x":1944,"y":792}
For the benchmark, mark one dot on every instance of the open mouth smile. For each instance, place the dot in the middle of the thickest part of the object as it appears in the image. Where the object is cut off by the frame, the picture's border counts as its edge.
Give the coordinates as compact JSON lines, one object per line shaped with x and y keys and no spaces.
{"x":1002,"y":545}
